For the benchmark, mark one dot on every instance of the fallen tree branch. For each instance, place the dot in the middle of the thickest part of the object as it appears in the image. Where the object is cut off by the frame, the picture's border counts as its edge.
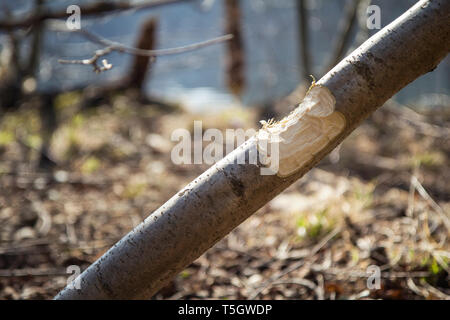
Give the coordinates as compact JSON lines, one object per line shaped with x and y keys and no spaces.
{"x":229,"y":192}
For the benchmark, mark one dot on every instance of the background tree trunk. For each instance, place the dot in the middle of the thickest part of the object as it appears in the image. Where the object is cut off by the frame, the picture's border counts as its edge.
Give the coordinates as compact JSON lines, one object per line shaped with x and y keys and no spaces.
{"x":226,"y":194}
{"x":139,"y":70}
{"x":235,"y":59}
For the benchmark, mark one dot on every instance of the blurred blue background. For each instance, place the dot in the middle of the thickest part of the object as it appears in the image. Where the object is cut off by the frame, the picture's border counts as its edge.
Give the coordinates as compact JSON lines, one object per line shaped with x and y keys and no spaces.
{"x":273,"y":67}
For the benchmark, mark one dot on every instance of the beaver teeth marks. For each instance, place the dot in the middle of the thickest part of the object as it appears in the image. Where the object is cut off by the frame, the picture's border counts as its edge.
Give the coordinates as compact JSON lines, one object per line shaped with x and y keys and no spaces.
{"x":286,"y":146}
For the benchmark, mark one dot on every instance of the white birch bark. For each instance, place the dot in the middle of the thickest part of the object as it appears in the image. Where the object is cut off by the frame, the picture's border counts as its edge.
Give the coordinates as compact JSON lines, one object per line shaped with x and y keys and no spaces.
{"x":226,"y":194}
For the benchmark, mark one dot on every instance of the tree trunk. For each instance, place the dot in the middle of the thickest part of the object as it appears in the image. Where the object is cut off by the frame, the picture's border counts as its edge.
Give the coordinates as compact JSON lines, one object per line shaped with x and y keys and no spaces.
{"x":235,"y":59}
{"x":228,"y":193}
{"x":139,"y":70}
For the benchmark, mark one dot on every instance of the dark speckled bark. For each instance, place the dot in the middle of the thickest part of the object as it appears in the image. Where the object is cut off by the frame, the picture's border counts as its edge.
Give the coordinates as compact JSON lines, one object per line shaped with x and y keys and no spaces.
{"x":226,"y":194}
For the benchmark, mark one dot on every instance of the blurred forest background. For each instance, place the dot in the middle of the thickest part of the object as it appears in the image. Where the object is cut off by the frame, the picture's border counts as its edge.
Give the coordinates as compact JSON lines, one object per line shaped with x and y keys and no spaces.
{"x":85,"y":156}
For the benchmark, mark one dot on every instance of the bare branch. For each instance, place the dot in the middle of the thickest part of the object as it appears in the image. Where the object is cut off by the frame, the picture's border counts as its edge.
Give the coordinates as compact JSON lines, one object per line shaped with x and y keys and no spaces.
{"x":424,"y":194}
{"x":95,"y":9}
{"x":93,"y":61}
{"x":235,"y":60}
{"x":111,"y":46}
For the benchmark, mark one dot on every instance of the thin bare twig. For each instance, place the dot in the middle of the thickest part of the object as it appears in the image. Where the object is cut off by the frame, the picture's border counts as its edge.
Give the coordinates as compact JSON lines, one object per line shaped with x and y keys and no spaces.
{"x":32,"y":272}
{"x":431,"y":202}
{"x":111,"y":46}
{"x":96,"y":9}
{"x":414,"y":288}
{"x":412,"y":117}
{"x":426,"y":289}
{"x":297,"y":265}
{"x":363,"y":294}
{"x":411,"y":202}
{"x":440,"y":261}
{"x":439,"y":294}
{"x":350,"y":273}
{"x":320,"y":290}
{"x":297,"y":281}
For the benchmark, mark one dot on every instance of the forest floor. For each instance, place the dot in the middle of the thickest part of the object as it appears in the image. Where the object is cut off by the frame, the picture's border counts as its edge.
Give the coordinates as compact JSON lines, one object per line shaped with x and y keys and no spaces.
{"x":379,"y":204}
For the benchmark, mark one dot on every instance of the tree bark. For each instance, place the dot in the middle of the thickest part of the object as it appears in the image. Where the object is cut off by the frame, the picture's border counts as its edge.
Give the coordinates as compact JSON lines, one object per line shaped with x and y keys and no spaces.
{"x":228,"y":193}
